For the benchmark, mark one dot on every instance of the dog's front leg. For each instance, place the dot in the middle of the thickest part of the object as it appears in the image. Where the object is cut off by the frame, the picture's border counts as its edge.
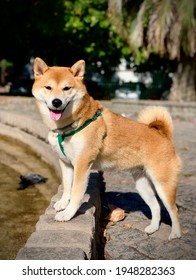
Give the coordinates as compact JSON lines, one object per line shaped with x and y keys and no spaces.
{"x":80,"y":181}
{"x":67,"y":180}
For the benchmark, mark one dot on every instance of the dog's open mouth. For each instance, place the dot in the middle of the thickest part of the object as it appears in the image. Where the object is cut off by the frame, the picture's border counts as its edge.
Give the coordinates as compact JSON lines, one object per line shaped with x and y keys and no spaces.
{"x":56,"y":114}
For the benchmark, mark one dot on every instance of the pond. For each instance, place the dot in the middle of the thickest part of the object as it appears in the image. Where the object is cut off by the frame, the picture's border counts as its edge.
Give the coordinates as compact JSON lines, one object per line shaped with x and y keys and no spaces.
{"x":20,"y":209}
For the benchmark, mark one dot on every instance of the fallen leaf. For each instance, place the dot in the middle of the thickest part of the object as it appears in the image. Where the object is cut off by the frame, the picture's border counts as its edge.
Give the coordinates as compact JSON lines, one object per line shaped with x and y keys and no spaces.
{"x":185,"y":231}
{"x":128,"y":225}
{"x":188,"y":174}
{"x":116,"y":214}
{"x":106,"y":235}
{"x":183,"y":148}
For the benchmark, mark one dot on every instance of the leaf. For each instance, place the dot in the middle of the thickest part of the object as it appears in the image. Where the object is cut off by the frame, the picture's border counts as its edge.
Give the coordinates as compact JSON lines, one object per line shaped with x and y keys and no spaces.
{"x":128,"y":225}
{"x":183,"y":148}
{"x":116,"y":214}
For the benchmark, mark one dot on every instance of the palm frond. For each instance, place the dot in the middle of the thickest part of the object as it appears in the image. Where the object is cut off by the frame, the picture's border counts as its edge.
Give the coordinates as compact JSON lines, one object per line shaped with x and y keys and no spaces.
{"x":173,"y":44}
{"x":136,"y":37}
{"x":159,"y":25}
{"x":187,"y":14}
{"x":165,"y":26}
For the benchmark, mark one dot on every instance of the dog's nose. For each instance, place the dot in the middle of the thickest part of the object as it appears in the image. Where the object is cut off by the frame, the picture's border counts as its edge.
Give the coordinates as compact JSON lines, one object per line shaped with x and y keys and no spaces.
{"x":56,"y":102}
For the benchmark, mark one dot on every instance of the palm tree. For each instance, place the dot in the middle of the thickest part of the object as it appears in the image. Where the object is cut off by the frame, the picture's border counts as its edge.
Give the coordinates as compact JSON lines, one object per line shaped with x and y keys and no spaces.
{"x":165,"y":27}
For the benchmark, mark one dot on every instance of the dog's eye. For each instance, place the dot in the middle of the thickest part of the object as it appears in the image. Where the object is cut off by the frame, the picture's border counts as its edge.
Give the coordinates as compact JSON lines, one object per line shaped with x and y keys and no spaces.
{"x":66,"y":88}
{"x":48,"y":87}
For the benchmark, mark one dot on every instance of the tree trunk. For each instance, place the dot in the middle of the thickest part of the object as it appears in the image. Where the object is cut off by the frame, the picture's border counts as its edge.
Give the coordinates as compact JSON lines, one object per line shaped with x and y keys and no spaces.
{"x":184,"y":81}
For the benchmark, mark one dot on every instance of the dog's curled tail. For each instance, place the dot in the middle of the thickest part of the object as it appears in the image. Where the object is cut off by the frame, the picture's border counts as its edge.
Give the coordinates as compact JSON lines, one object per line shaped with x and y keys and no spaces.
{"x":158,"y":118}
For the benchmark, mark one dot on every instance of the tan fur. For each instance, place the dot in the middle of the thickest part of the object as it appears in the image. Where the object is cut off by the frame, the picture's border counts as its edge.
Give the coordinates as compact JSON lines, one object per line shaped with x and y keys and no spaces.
{"x":111,"y":141}
{"x":158,"y":118}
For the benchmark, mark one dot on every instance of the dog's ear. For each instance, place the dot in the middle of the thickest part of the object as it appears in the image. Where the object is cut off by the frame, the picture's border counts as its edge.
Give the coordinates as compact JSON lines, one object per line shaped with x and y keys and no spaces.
{"x":78,"y":69}
{"x":39,"y":67}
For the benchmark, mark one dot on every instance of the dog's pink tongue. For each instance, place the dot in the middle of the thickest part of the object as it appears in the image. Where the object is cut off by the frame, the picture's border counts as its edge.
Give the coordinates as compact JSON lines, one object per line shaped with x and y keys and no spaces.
{"x":55,"y":114}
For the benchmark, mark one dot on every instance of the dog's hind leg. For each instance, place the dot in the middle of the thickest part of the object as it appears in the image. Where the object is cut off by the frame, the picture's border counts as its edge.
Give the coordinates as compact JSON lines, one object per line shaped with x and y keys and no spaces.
{"x":166,"y":190}
{"x":146,"y":191}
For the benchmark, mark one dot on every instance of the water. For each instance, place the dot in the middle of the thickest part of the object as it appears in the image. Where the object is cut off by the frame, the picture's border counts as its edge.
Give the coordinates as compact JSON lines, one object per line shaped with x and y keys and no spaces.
{"x":20,"y":209}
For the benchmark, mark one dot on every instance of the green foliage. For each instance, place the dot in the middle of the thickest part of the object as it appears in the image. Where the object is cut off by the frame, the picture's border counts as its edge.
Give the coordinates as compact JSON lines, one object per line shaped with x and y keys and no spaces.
{"x":5,"y":63}
{"x":90,"y":35}
{"x":60,"y":31}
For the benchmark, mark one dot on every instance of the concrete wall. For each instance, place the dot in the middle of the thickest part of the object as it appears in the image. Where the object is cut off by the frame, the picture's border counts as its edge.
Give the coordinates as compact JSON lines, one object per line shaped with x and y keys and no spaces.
{"x":181,"y":110}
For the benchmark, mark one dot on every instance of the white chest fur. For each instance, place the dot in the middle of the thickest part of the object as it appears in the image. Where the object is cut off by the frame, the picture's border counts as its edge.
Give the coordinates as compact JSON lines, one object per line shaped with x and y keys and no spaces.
{"x":72,"y":145}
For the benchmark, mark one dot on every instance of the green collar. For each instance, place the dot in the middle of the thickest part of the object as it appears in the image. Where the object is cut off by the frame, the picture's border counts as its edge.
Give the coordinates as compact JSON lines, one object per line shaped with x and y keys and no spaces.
{"x":61,"y":137}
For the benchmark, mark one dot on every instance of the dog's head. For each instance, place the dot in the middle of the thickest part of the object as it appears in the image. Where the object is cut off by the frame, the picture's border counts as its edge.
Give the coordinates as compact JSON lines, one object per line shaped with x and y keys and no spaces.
{"x":58,"y":90}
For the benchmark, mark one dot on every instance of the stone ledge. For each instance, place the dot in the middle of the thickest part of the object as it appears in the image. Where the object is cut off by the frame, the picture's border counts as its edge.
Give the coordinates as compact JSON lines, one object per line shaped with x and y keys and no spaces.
{"x":76,"y":235}
{"x":60,"y":238}
{"x":40,"y":253}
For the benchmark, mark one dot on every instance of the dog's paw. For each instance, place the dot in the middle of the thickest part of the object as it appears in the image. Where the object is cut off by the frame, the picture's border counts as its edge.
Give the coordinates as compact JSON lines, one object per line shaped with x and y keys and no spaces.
{"x":174,"y":235}
{"x":65,"y":215}
{"x":61,"y":204}
{"x":151,"y":229}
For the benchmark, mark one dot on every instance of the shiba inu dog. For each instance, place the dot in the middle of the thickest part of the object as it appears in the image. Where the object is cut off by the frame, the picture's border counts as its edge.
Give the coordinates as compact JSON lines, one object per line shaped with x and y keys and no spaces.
{"x":86,"y":135}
